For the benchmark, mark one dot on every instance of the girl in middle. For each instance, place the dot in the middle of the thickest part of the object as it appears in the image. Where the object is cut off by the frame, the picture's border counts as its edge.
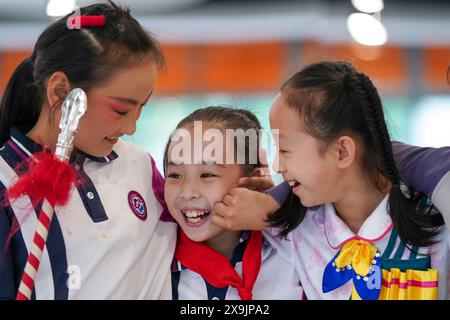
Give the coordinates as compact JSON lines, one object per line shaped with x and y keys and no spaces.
{"x":212,"y":262}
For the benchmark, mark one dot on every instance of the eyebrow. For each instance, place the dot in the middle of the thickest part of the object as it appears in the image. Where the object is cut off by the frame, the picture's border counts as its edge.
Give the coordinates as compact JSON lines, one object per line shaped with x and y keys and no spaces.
{"x":125,"y":100}
{"x":131,"y":101}
{"x":171,"y":163}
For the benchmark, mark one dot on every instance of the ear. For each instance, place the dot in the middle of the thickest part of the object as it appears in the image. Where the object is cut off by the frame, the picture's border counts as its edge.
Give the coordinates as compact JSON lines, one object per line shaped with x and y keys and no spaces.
{"x":58,"y":87}
{"x":345,"y":151}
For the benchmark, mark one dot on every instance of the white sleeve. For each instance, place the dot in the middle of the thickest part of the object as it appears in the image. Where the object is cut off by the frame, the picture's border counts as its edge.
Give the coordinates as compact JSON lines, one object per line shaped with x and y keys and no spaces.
{"x":282,"y":245}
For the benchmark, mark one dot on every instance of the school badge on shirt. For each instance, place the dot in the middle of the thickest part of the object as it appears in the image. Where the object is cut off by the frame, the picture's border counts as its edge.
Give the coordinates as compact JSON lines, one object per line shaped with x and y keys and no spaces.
{"x":137,"y":205}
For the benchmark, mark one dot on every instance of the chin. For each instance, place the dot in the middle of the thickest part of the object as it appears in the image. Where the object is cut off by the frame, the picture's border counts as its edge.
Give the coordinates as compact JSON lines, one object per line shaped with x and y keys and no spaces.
{"x":195,"y":236}
{"x":308,"y":202}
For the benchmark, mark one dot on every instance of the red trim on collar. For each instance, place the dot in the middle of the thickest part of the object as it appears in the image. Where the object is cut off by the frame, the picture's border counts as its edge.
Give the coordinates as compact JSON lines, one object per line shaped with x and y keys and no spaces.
{"x":357,"y":237}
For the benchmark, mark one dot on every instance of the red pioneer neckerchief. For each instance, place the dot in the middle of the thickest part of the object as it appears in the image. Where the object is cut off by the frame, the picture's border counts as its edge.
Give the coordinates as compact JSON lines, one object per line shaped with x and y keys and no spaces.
{"x":216,"y":269}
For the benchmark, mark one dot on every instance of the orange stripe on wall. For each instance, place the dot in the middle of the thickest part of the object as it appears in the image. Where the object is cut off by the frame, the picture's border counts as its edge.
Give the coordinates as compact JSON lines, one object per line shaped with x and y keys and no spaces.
{"x":222,"y":67}
{"x":9,"y":60}
{"x":244,"y":67}
{"x":435,"y":66}
{"x":256,"y":67}
{"x":175,"y":77}
{"x":206,"y":68}
{"x":386,"y":66}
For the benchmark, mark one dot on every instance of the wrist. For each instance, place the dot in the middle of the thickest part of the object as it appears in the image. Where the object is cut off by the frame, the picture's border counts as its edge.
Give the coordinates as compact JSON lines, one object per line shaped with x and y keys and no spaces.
{"x":269,"y":204}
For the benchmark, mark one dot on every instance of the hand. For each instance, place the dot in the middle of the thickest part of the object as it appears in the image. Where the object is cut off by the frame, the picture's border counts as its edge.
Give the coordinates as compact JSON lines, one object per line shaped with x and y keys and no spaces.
{"x":244,"y":209}
{"x":259,"y":181}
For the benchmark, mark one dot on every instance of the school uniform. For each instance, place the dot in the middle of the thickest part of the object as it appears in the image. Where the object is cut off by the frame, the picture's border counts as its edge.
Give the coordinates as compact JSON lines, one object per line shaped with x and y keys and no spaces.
{"x":109,"y":242}
{"x":407,"y":273}
{"x":276,"y":278}
{"x":398,"y":272}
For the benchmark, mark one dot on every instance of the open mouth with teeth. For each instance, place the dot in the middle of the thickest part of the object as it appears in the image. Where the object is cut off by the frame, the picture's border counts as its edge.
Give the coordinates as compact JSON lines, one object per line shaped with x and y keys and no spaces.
{"x":195,"y":217}
{"x":294,"y":184}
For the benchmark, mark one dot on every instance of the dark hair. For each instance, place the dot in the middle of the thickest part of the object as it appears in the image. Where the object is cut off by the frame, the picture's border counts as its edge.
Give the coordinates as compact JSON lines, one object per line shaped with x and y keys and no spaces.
{"x":88,"y":56}
{"x":334,"y":99}
{"x":224,"y":118}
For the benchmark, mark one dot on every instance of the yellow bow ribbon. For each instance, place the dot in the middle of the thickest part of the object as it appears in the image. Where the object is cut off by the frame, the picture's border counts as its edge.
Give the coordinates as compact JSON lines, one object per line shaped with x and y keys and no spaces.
{"x":359,"y":254}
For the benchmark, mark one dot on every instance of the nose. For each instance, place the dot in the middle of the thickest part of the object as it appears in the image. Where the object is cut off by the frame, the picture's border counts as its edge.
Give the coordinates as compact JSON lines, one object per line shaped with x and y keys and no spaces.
{"x":189,"y":191}
{"x":128,"y":125}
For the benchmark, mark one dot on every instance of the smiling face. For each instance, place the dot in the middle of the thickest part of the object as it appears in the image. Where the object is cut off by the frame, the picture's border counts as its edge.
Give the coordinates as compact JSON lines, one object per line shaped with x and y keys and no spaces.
{"x":312,"y":173}
{"x":191,"y":190}
{"x":114,"y":108}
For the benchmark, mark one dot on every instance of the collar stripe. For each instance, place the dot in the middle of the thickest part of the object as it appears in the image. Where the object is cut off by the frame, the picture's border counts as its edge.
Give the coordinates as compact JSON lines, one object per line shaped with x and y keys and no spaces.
{"x":17,"y":150}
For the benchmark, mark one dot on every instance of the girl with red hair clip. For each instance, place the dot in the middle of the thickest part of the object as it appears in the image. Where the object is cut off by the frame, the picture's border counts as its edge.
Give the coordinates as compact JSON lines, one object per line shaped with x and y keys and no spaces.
{"x":109,"y":241}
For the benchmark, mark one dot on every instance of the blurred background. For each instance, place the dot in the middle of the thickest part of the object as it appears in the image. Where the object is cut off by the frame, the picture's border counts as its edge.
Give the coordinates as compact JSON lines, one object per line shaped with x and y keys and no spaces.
{"x":239,"y":52}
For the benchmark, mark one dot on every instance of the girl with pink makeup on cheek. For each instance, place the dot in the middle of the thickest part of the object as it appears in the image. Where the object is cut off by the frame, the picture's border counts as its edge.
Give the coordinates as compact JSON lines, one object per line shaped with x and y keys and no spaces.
{"x":108,"y":242}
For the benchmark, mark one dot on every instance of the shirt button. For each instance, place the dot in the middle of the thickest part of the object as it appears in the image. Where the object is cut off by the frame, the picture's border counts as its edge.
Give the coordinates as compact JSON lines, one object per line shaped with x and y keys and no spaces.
{"x":214,"y":298}
{"x":90,"y":195}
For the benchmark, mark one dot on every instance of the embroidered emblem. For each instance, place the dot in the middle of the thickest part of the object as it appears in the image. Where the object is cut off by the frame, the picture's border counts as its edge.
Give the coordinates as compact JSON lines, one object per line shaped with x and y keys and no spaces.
{"x":137,"y":205}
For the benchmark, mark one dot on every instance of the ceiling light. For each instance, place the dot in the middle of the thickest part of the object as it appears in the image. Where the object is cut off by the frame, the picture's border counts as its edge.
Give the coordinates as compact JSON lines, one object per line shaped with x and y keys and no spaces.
{"x":366,"y":30}
{"x":368,"y":6}
{"x":60,"y":8}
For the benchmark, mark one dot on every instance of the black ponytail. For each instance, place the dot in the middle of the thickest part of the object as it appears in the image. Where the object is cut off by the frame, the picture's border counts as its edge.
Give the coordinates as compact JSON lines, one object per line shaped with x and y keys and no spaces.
{"x":413,"y":225}
{"x":335,"y":99}
{"x":21,"y":103}
{"x":88,"y":57}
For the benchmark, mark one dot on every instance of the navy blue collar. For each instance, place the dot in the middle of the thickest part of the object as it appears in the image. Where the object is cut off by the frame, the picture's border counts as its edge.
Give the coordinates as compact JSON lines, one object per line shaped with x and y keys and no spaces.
{"x":25,"y":147}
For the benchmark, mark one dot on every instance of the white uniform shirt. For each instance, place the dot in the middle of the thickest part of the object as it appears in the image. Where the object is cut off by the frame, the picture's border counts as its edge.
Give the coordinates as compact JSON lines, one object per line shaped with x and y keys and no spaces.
{"x":108,"y":242}
{"x":318,"y":238}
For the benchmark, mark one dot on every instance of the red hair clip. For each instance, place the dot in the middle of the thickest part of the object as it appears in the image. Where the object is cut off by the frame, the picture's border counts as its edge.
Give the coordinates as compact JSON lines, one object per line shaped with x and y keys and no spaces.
{"x":78,"y":22}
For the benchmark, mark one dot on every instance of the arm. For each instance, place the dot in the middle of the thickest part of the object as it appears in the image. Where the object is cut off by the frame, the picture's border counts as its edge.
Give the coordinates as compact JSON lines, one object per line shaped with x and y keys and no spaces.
{"x":280,"y":192}
{"x":7,"y":283}
{"x":427,"y":170}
